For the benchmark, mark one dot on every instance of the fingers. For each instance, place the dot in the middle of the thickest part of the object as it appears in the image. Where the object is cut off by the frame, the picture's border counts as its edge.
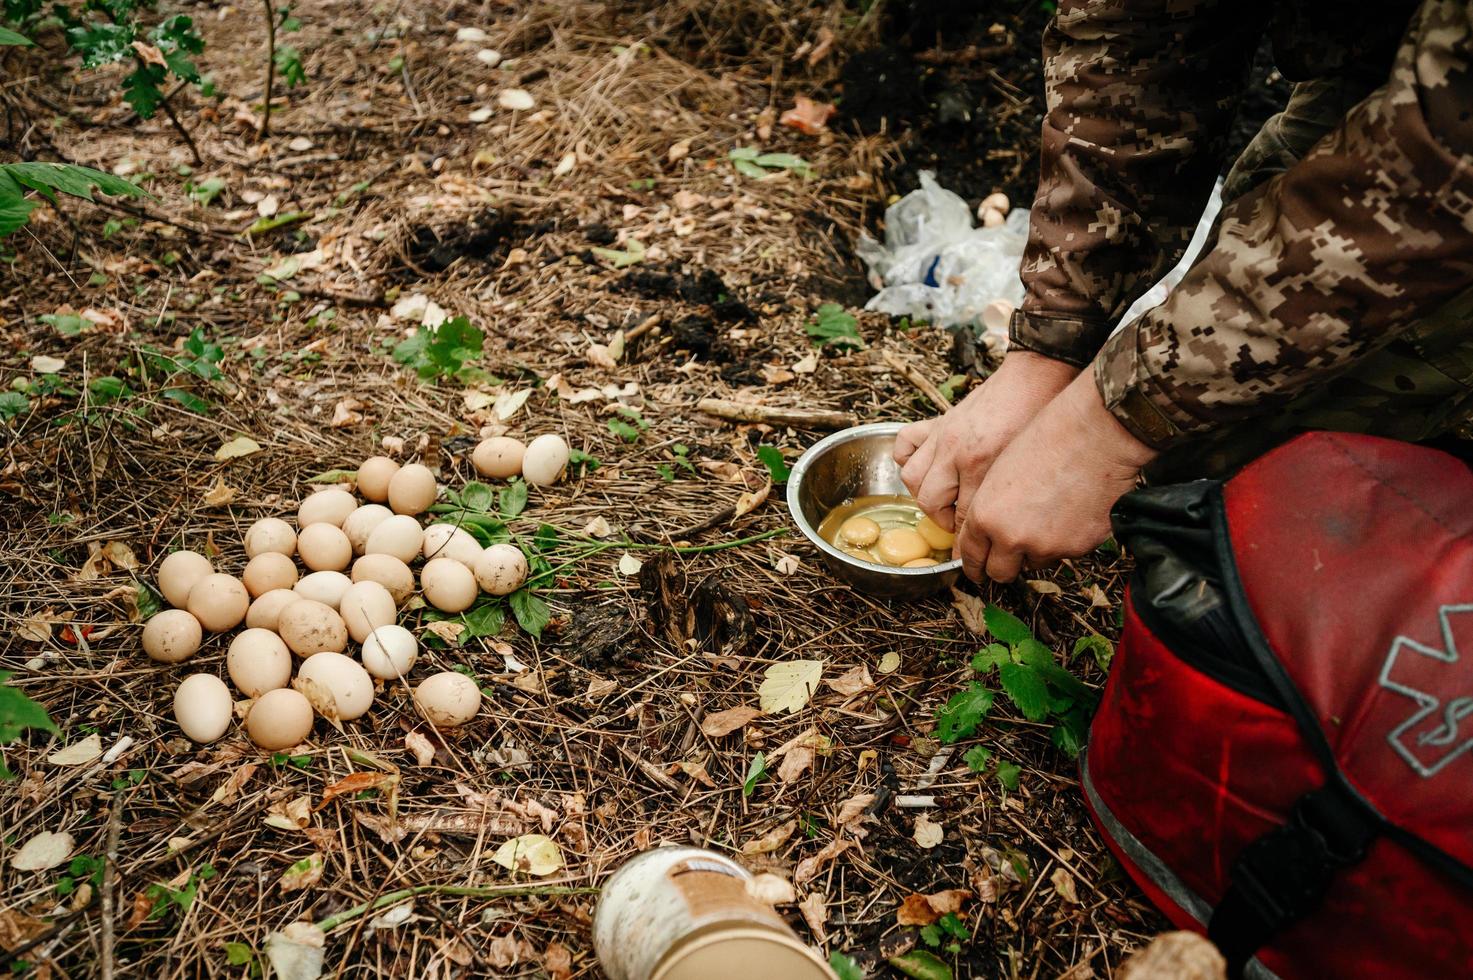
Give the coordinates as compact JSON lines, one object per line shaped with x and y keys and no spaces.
{"x":971,"y":546}
{"x":937,"y":494}
{"x":1004,"y":563}
{"x":913,"y":473}
{"x":911,"y":438}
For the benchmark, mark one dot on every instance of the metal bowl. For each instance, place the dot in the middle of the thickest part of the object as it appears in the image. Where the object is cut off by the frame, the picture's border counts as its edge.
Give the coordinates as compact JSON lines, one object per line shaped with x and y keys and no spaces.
{"x":858,"y":462}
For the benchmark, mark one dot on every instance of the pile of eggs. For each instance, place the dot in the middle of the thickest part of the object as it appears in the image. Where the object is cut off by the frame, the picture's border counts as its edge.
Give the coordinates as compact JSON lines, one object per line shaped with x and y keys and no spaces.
{"x":358,"y":559}
{"x":899,"y":547}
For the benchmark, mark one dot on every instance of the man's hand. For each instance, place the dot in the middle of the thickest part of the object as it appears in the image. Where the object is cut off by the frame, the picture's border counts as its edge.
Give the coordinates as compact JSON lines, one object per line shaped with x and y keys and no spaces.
{"x":943,"y":460}
{"x":1048,"y":496}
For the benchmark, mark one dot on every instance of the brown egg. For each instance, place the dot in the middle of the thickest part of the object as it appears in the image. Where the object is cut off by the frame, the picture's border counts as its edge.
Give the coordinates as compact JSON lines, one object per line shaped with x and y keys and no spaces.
{"x":400,"y":536}
{"x":449,"y":541}
{"x":324,"y":548}
{"x":899,"y":545}
{"x":179,"y":573}
{"x":373,"y":478}
{"x":324,"y":587}
{"x":269,"y":570}
{"x":448,"y":585}
{"x":330,"y":506}
{"x":447,"y":699}
{"x":920,"y":563}
{"x":861,"y":532}
{"x":361,"y":522}
{"x":387,"y":571}
{"x":171,"y":636}
{"x":258,"y":661}
{"x":501,"y":569}
{"x":365,"y":606}
{"x":279,"y":719}
{"x":499,"y":457}
{"x":266,"y":610}
{"x":270,"y":534}
{"x":310,"y":627}
{"x":219,"y":602}
{"x":938,"y":537}
{"x":412,"y":489}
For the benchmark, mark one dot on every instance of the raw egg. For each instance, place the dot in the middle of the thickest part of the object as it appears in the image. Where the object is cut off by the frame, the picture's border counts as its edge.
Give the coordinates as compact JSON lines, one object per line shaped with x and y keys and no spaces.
{"x":179,"y":573}
{"x":374,"y":475}
{"x":898,"y":545}
{"x":279,"y":719}
{"x":202,"y":707}
{"x":219,"y":602}
{"x":938,"y":537}
{"x":861,"y":532}
{"x":920,"y":563}
{"x":412,"y":489}
{"x":171,"y":636}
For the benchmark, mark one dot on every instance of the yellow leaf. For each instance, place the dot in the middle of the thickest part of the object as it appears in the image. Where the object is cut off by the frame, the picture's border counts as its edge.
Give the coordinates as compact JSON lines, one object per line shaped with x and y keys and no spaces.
{"x":239,"y":446}
{"x":78,"y":753}
{"x":304,"y":874}
{"x":789,"y":685}
{"x":889,"y":663}
{"x":751,"y":500}
{"x":43,"y":852}
{"x":531,"y":854}
{"x":220,"y":494}
{"x":928,"y":833}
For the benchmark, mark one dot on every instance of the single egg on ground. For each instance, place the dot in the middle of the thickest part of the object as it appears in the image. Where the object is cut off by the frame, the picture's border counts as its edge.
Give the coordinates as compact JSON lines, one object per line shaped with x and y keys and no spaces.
{"x":267,"y":571}
{"x":270,"y":534}
{"x":180,"y":572}
{"x":374,"y":474}
{"x":329,"y":506}
{"x":389,"y":652}
{"x":400,"y":536}
{"x":448,"y":699}
{"x":171,"y":636}
{"x":324,"y":547}
{"x":387,"y":571}
{"x":449,"y":541}
{"x":501,"y":569}
{"x":861,"y":532}
{"x":545,"y":460}
{"x":898,"y":545}
{"x":340,"y":677}
{"x":365,"y":606}
{"x":309,"y":628}
{"x":203,"y":707}
{"x":361,"y":522}
{"x":448,"y":585}
{"x":219,"y":602}
{"x":265,"y":612}
{"x":412,"y":489}
{"x":258,"y":661}
{"x":938,"y":537}
{"x":279,"y":719}
{"x":324,"y":587}
{"x":499,"y":457}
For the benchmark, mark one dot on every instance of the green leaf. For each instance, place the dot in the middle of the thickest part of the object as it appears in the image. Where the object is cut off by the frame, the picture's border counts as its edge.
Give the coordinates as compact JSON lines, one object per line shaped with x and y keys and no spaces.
{"x":531,"y":612}
{"x":1071,"y":733}
{"x":263,"y":225}
{"x":977,"y":758}
{"x":1005,"y":627}
{"x":1096,"y":646}
{"x":624,"y":429}
{"x":954,"y":927}
{"x":633,"y":252}
{"x":772,"y":458}
{"x":17,"y":713}
{"x":512,"y":499}
{"x":1022,"y":683}
{"x":107,"y":388}
{"x":960,"y":716}
{"x":189,"y":401}
{"x":577,"y":459}
{"x":783,"y":161}
{"x":442,"y":352}
{"x":748,"y":169}
{"x":1033,"y":653}
{"x":48,"y":179}
{"x":743,"y":153}
{"x":15,"y":211}
{"x":66,"y":324}
{"x":931,"y":935}
{"x":11,"y":39}
{"x":239,"y":954}
{"x":13,"y":403}
{"x":921,"y":965}
{"x":833,"y":326}
{"x":478,"y":497}
{"x":1008,"y":773}
{"x":149,"y":602}
{"x":991,"y":656}
{"x":844,"y":966}
{"x":486,"y":619}
{"x":205,"y":192}
{"x":1061,"y":680}
{"x":755,"y":771}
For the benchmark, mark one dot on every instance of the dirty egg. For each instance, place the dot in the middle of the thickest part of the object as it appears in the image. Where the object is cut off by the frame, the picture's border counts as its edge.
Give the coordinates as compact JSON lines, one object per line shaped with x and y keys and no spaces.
{"x":171,"y":636}
{"x":447,"y":699}
{"x":501,"y":569}
{"x":348,"y":682}
{"x":387,"y":571}
{"x":310,"y":627}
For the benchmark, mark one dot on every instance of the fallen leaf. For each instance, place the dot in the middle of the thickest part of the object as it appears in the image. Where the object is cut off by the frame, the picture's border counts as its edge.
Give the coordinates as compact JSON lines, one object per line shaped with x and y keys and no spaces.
{"x":509,"y":403}
{"x":477,"y":400}
{"x":599,"y":356}
{"x":1097,"y":597}
{"x":346,"y":413}
{"x":302,"y":874}
{"x":722,"y":469}
{"x":565,"y":165}
{"x":237,"y":447}
{"x":600,"y":687}
{"x":852,"y":681}
{"x":516,"y":99}
{"x":1063,"y":883}
{"x":150,"y":54}
{"x":915,"y":910}
{"x":771,"y":889}
{"x":228,"y":790}
{"x":599,"y":527}
{"x":43,"y":364}
{"x":470,"y":35}
{"x":220,"y":494}
{"x":300,"y":144}
{"x":693,"y":770}
{"x":807,"y":364}
{"x":751,"y":500}
{"x":889,"y":663}
{"x":821,"y":50}
{"x":296,"y":952}
{"x":447,"y":631}
{"x":972,"y":611}
{"x":809,"y":867}
{"x":507,"y":951}
{"x":950,"y":900}
{"x":721,"y":723}
{"x":1044,"y":586}
{"x":290,"y":814}
{"x":394,"y":917}
{"x":411,"y":307}
{"x":435,"y":315}
{"x":808,"y":116}
{"x":532,"y":854}
{"x":815,"y":913}
{"x":43,"y":852}
{"x":557,"y":961}
{"x":786,"y":564}
{"x":629,"y":565}
{"x":420,"y":747}
{"x":852,"y":809}
{"x":679,"y":150}
{"x":928,"y":833}
{"x":78,"y":753}
{"x":358,"y":782}
{"x":789,"y":685}
{"x":772,"y":840}
{"x":37,"y":628}
{"x":480,"y":115}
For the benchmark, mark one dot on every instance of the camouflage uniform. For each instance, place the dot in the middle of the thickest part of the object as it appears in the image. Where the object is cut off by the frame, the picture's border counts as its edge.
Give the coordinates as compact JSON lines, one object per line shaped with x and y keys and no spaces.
{"x":1337,"y":291}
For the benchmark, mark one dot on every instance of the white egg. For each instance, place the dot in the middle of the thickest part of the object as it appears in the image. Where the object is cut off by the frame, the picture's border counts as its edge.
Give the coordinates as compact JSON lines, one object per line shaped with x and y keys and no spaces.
{"x":449,"y":541}
{"x":361,"y":522}
{"x":324,"y":547}
{"x":399,"y":536}
{"x":180,"y":572}
{"x":545,"y":460}
{"x":448,"y":585}
{"x":329,"y":506}
{"x":365,"y":607}
{"x":387,"y":571}
{"x":502,"y":569}
{"x":258,"y":661}
{"x":343,"y":677}
{"x":324,"y":587}
{"x":203,"y":707}
{"x":390,"y":652}
{"x":279,"y":719}
{"x":270,"y":534}
{"x":448,"y":699}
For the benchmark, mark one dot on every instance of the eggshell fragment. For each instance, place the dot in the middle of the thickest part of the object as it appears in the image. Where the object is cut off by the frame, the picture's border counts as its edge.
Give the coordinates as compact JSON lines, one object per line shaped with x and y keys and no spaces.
{"x":412,"y":489}
{"x":267,"y":571}
{"x":219,"y":602}
{"x":448,"y":699}
{"x":448,"y":585}
{"x":324,"y":548}
{"x":499,"y":457}
{"x":324,"y":587}
{"x":344,"y":678}
{"x":203,"y":707}
{"x":171,"y":636}
{"x":270,"y":534}
{"x":399,"y":536}
{"x":330,"y":506}
{"x":997,"y":201}
{"x":997,"y":315}
{"x":279,"y":719}
{"x":180,"y":572}
{"x":258,"y":661}
{"x":309,"y":627}
{"x":449,"y":541}
{"x":266,"y":610}
{"x":545,"y":460}
{"x":387,"y":571}
{"x":501,"y":569}
{"x":389,"y":652}
{"x":365,"y":606}
{"x":898,"y":545}
{"x":374,"y":475}
{"x":361,"y":522}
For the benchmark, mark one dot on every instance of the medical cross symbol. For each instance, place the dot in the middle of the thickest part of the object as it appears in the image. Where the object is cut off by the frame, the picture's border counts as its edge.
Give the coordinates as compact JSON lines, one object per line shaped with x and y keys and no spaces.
{"x":1433,"y":736}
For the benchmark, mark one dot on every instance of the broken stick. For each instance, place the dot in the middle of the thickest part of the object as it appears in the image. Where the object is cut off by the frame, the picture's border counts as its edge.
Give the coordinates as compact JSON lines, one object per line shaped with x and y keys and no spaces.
{"x":922,"y":383}
{"x":798,"y":418}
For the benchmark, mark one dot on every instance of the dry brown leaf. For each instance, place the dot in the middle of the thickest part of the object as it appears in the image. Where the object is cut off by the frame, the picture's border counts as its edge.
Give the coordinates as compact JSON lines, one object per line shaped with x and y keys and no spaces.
{"x":852,"y":809}
{"x":507,"y":951}
{"x":228,"y":790}
{"x":852,"y":681}
{"x":823,"y":47}
{"x":809,"y":867}
{"x":357,"y":782}
{"x":447,"y":631}
{"x":150,"y":54}
{"x":1044,"y":586}
{"x":815,"y":913}
{"x":1063,"y":883}
{"x":915,"y":910}
{"x":290,"y":814}
{"x":420,"y":747}
{"x":220,"y":494}
{"x":679,"y":150}
{"x":558,"y":962}
{"x":43,"y":852}
{"x":771,"y":889}
{"x":725,"y":722}
{"x":808,"y":116}
{"x":928,"y":833}
{"x":302,"y":874}
{"x":772,"y":840}
{"x":37,"y":628}
{"x":971,"y":609}
{"x":796,"y":762}
{"x":694,"y":770}
{"x":600,"y":687}
{"x":346,"y":413}
{"x":751,"y":500}
{"x":722,"y":469}
{"x":1096,"y":596}
{"x":78,"y":753}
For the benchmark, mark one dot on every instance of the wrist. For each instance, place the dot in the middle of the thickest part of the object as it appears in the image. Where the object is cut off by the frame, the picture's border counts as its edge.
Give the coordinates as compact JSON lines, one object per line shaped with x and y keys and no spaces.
{"x":1039,"y":370}
{"x":1101,"y":428}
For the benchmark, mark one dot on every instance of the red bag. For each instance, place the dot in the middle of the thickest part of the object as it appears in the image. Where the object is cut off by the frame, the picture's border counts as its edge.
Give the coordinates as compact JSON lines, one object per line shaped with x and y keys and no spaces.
{"x":1279,"y":757}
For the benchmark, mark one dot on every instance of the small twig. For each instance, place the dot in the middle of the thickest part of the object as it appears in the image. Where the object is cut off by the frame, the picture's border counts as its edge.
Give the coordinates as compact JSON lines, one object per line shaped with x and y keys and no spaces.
{"x":922,"y":383}
{"x":643,"y":328}
{"x":109,"y":884}
{"x":720,"y":517}
{"x":173,"y":118}
{"x":798,"y":418}
{"x":270,"y":67}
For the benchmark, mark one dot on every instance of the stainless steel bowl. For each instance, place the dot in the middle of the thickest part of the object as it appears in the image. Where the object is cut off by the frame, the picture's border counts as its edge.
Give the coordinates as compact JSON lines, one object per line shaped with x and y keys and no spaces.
{"x":855,"y":463}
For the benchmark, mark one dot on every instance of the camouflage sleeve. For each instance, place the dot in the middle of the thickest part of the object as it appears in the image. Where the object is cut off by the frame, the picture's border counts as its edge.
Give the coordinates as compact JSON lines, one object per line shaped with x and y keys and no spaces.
{"x":1321,"y":265}
{"x":1140,"y":95}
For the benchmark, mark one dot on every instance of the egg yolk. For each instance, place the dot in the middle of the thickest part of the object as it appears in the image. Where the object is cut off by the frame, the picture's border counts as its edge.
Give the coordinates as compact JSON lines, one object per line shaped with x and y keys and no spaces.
{"x":899,"y":545}
{"x":936,"y":536}
{"x":921,"y":563}
{"x":859,"y":531}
